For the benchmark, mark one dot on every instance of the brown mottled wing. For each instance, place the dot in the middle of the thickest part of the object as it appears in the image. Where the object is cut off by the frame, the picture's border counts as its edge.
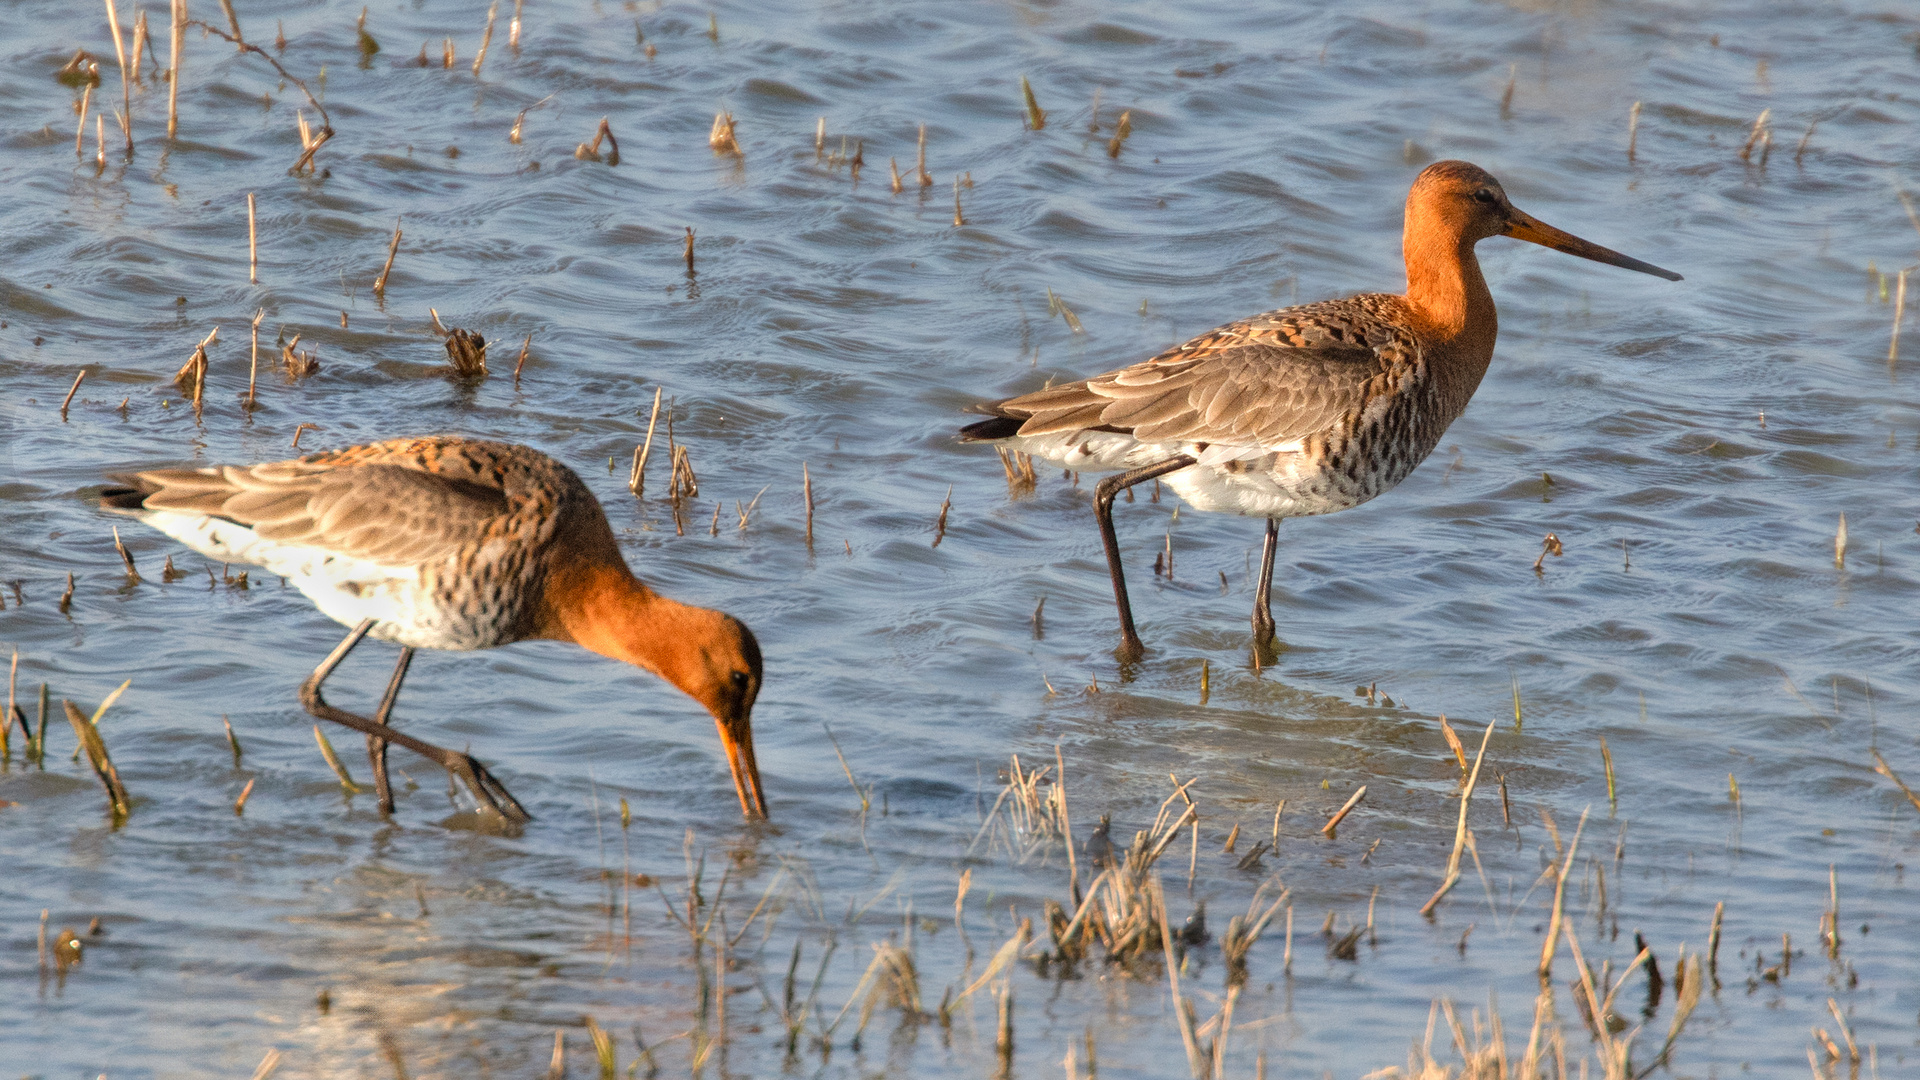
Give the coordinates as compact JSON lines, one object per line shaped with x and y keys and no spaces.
{"x":383,"y":513}
{"x":1254,"y":393}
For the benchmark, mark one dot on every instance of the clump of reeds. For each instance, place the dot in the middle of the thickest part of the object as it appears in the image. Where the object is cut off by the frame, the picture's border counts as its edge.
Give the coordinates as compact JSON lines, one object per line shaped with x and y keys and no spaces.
{"x":467,"y":354}
{"x":192,"y":376}
{"x":298,"y":365}
{"x":1018,"y":466}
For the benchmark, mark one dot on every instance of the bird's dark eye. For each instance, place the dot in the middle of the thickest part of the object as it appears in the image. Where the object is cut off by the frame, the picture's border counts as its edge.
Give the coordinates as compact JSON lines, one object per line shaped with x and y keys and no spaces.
{"x":740,"y":680}
{"x":1485,"y":196}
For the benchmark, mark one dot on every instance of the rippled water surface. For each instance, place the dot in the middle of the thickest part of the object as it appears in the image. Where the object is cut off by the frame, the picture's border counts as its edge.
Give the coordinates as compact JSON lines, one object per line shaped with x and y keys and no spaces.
{"x":1693,"y":445}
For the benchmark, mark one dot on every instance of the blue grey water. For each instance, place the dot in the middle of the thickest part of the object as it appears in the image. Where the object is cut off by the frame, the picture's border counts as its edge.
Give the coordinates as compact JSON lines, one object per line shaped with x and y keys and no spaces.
{"x":1693,"y":445}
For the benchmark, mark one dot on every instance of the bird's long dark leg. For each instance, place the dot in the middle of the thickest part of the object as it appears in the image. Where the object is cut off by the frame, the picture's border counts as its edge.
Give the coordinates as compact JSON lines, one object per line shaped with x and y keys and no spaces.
{"x":1103,"y":495}
{"x":1262,"y":593}
{"x":490,"y":793}
{"x":377,"y":746}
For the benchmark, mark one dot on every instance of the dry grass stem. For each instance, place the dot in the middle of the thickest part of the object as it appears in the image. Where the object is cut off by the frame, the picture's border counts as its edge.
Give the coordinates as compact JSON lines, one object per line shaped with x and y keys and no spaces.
{"x":806,"y":491}
{"x":71,"y":390}
{"x":486,"y":38}
{"x":637,"y":476}
{"x":1121,"y":132}
{"x":926,"y":178}
{"x":1557,"y":921}
{"x":1633,"y":130}
{"x":333,"y":761}
{"x":1352,"y":801}
{"x":892,"y":163}
{"x":176,"y":37}
{"x":253,"y":245}
{"x":689,"y":251}
{"x":240,"y":804}
{"x":126,"y":86}
{"x":958,"y":220}
{"x":1460,"y":832}
{"x":1880,"y":766}
{"x":1753,"y":137}
{"x":393,"y":248}
{"x":80,"y":133}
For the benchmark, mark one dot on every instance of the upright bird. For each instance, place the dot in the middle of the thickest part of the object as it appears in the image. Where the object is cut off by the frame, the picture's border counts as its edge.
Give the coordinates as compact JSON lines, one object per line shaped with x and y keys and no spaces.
{"x":452,"y":543}
{"x":1304,"y":410}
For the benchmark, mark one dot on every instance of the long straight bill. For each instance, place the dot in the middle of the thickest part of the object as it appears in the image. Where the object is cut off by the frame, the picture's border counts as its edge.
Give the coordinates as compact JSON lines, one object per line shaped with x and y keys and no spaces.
{"x":1523,"y":226}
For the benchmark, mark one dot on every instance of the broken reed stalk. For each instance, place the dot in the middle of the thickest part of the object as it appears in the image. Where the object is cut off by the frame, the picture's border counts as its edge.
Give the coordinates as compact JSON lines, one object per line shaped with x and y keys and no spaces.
{"x":96,"y":749}
{"x":1121,"y":133}
{"x":806,"y":490}
{"x":958,"y":220}
{"x":1460,"y":827}
{"x":176,"y":37}
{"x":1633,"y":130}
{"x":393,"y":248}
{"x":940,"y":526}
{"x":486,"y":38}
{"x":253,"y":244}
{"x":233,"y":741}
{"x":926,"y":178}
{"x":126,"y":88}
{"x":637,"y":476}
{"x":1352,"y":801}
{"x":721,"y":137}
{"x":525,"y":348}
{"x":892,"y":163}
{"x":71,"y":390}
{"x":1840,"y":545}
{"x":1036,"y":116}
{"x":133,"y":576}
{"x":240,"y":804}
{"x":689,"y":251}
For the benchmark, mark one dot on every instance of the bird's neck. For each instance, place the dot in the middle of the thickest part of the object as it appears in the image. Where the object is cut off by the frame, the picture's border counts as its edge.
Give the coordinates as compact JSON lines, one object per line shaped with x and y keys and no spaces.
{"x":606,"y":609}
{"x":1450,"y":299}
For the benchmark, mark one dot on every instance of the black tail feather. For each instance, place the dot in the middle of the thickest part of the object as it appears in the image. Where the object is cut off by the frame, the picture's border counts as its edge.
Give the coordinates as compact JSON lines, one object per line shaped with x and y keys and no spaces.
{"x":1000,"y":427}
{"x":132,"y":496}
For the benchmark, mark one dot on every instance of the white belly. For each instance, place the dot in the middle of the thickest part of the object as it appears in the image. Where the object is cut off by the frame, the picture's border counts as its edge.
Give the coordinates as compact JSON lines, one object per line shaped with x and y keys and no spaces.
{"x":346,"y":590}
{"x":1253,"y":481}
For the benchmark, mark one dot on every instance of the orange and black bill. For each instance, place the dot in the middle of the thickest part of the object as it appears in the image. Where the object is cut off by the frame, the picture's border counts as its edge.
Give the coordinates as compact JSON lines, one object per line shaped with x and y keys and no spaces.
{"x":736,"y":736}
{"x":1523,"y":226}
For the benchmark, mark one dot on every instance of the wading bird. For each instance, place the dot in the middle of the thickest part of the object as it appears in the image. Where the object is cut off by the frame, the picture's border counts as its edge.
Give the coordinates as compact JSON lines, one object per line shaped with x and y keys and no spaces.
{"x":1305,"y":410}
{"x":452,"y":543}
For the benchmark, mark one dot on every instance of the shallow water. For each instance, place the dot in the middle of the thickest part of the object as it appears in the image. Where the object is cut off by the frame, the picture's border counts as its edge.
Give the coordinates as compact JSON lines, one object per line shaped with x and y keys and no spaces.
{"x":1697,"y":621}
